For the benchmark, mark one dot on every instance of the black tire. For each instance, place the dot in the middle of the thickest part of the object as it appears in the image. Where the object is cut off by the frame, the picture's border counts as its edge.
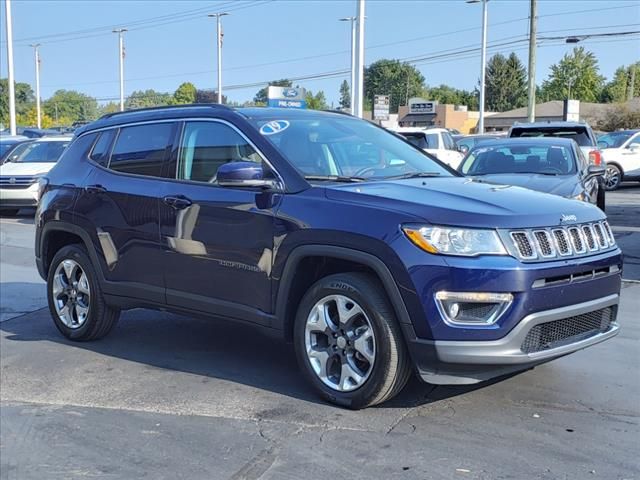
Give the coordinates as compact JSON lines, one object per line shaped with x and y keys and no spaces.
{"x":100,"y":318}
{"x":9,"y":212}
{"x":613,"y":177}
{"x":601,"y":200}
{"x":392,"y":365}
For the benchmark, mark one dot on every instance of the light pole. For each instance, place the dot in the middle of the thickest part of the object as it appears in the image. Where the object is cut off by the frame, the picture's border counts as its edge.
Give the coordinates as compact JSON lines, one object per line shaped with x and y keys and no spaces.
{"x":483,"y":63}
{"x":353,"y":57}
{"x":11,"y":80}
{"x":36,"y":54}
{"x":358,"y":90}
{"x":120,"y":32}
{"x":531,"y":71}
{"x":219,"y":50}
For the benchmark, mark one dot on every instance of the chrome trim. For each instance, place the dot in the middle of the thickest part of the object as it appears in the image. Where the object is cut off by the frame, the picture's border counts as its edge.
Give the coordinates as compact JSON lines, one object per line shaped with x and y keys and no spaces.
{"x":506,"y":351}
{"x":503,"y":306}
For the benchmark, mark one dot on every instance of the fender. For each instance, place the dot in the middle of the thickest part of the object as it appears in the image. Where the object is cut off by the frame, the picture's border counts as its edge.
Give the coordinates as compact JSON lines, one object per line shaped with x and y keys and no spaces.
{"x":371,"y":261}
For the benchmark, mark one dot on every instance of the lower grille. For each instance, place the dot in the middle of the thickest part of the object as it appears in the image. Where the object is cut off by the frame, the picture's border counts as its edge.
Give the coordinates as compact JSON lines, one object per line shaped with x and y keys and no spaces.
{"x":568,"y":330}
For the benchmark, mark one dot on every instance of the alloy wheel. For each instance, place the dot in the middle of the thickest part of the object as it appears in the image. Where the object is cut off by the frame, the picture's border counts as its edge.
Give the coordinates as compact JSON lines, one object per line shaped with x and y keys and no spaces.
{"x":71,"y":294}
{"x":612,"y":178}
{"x":340,"y":343}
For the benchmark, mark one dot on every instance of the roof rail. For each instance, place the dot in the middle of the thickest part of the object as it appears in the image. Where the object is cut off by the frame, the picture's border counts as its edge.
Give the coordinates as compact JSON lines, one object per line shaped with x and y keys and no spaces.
{"x":165,"y":107}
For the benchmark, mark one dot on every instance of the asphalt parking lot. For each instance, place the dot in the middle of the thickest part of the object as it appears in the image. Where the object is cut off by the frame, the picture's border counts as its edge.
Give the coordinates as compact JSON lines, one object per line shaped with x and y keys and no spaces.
{"x":167,"y":396}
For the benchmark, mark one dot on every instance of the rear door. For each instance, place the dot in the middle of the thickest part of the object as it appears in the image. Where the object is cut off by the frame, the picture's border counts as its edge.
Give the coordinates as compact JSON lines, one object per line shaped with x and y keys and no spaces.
{"x":119,"y":207}
{"x":217,"y":241}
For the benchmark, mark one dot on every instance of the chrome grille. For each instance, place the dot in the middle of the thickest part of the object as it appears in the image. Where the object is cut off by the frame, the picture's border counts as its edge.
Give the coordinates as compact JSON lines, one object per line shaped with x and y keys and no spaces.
{"x":560,"y":242}
{"x":17,"y":181}
{"x":568,"y":330}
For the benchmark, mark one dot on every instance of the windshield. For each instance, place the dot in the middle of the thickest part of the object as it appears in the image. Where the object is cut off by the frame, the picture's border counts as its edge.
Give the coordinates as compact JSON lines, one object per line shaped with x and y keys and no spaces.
{"x":579,"y":134}
{"x":341,"y":146}
{"x":614,"y":139}
{"x":521,"y":158}
{"x":34,"y":152}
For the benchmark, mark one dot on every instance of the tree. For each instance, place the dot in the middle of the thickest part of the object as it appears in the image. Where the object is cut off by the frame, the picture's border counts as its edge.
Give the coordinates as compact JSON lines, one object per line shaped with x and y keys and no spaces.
{"x":25,"y":99}
{"x":506,"y":83}
{"x":617,"y":90}
{"x":261,"y":96}
{"x":147,"y":98}
{"x":448,"y":95}
{"x":30,"y":119}
{"x":72,"y":105}
{"x":209,"y":96}
{"x":186,"y":93}
{"x":619,"y":117}
{"x":110,"y":107}
{"x":345,"y":95}
{"x":317,"y":101}
{"x":575,"y":76}
{"x":392,"y":77}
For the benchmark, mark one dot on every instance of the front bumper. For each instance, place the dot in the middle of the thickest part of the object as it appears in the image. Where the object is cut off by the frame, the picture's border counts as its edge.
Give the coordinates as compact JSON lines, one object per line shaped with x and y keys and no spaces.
{"x":19,"y":197}
{"x":466,"y":362}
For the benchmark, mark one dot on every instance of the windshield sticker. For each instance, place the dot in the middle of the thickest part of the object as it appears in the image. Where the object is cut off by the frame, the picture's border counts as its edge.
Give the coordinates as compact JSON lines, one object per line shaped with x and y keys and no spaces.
{"x":276,"y":126}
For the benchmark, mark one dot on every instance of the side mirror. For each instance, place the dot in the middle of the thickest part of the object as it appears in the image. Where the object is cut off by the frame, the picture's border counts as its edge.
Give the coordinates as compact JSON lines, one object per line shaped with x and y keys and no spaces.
{"x":243,"y":175}
{"x":463,"y":149}
{"x":596,"y":170}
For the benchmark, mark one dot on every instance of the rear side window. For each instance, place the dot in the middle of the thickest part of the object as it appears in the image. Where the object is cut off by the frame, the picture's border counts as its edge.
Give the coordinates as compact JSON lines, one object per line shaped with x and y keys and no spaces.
{"x":142,"y":149}
{"x":79,"y":147}
{"x":100,"y":152}
{"x":208,"y":145}
{"x":449,"y":144}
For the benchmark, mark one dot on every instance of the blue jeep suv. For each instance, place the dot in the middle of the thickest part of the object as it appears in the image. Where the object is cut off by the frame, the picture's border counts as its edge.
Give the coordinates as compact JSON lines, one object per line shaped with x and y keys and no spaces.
{"x":374,"y":259}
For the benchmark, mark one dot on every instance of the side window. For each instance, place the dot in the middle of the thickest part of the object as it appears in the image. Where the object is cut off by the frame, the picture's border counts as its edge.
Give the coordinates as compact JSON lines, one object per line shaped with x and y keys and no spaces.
{"x":449,"y":144}
{"x":79,"y":147}
{"x":432,"y":140}
{"x":100,"y":152}
{"x":206,"y":146}
{"x":142,"y":149}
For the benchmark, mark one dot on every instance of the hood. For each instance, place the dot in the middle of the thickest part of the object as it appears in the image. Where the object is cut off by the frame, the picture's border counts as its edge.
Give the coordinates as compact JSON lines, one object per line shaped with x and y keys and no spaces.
{"x":563,"y":185}
{"x":465,"y":202}
{"x":25,"y":168}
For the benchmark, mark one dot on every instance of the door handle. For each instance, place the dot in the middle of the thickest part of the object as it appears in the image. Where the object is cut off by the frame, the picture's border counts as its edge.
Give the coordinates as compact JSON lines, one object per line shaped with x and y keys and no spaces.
{"x":95,"y":189}
{"x":179,"y":202}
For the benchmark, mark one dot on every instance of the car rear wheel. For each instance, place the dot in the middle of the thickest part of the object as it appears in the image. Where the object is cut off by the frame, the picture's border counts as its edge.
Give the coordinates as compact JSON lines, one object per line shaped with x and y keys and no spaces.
{"x":75,"y":298}
{"x":612,"y":177}
{"x":348,"y":342}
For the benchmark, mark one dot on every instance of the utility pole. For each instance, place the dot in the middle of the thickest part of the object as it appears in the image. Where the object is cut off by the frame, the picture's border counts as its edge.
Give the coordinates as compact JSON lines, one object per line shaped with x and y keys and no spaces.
{"x":353,"y":59}
{"x":483,"y":64}
{"x":219,"y":50}
{"x":120,"y":32}
{"x":358,"y":91}
{"x":11,"y":79}
{"x":533,"y":25}
{"x":632,"y":83}
{"x":37,"y":60}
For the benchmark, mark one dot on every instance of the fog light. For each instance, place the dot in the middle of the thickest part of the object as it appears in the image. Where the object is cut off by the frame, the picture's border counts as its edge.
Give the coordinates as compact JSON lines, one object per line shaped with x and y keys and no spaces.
{"x":472,"y":308}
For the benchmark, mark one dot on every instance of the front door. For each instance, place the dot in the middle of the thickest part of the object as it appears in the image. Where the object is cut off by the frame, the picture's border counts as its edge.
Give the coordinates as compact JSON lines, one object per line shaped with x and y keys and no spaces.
{"x":217,"y":241}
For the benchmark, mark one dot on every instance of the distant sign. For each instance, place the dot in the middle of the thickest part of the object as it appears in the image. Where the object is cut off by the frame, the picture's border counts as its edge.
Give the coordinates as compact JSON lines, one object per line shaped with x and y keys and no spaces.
{"x":571,"y":110}
{"x":419,"y":105}
{"x":286,"y":97}
{"x":381,"y":107}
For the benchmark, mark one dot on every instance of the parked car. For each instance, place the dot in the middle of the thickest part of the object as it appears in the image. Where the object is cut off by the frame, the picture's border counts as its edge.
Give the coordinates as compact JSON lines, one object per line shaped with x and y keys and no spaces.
{"x":580,"y":132}
{"x":436,"y":141}
{"x":21,"y":171}
{"x":325,"y":230}
{"x":468,"y":142}
{"x":8,"y":143}
{"x":547,"y":165}
{"x":39,"y":132}
{"x":621,"y":153}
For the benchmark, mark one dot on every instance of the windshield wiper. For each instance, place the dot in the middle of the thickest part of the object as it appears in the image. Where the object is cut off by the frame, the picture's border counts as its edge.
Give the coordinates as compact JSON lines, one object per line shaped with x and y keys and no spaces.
{"x":335,"y":178}
{"x":413,"y":175}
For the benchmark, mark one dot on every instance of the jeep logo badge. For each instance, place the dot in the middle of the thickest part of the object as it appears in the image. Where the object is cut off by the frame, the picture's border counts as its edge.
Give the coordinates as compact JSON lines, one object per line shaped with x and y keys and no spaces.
{"x":568,"y":218}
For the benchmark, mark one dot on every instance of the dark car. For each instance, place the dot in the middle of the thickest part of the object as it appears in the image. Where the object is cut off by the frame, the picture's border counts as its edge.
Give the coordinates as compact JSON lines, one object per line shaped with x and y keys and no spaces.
{"x":468,"y":142}
{"x":371,"y":257}
{"x":547,"y":165}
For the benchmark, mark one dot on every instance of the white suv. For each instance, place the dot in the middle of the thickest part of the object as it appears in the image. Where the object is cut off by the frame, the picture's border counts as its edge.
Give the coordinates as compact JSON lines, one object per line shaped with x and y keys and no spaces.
{"x":436,"y":141}
{"x":621,"y":153}
{"x":20,"y":173}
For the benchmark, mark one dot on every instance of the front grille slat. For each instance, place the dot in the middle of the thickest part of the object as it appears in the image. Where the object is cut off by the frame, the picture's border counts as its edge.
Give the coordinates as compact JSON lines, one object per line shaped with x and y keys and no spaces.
{"x":544,"y":244}
{"x":16,"y":182}
{"x":557,"y":333}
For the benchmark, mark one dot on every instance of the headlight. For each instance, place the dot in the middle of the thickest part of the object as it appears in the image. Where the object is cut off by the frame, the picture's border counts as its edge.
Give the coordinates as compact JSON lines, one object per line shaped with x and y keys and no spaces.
{"x":468,"y":242}
{"x":581,"y":196}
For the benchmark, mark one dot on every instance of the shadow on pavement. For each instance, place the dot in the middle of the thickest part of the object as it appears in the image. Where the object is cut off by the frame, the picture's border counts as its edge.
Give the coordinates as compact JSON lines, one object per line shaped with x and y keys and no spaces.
{"x":210,"y":348}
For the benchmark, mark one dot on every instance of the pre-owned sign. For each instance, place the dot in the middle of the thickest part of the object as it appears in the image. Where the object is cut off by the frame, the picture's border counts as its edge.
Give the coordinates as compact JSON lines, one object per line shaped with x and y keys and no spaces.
{"x":286,"y":97}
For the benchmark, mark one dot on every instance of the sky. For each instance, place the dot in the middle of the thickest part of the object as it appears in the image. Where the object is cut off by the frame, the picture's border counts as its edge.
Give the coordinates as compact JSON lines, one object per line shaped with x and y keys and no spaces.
{"x":170,"y":42}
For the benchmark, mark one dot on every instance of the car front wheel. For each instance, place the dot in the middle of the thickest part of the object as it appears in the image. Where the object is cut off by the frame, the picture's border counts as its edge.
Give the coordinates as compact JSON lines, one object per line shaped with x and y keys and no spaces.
{"x":75,"y":298}
{"x":348,"y":342}
{"x":612,"y":177}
